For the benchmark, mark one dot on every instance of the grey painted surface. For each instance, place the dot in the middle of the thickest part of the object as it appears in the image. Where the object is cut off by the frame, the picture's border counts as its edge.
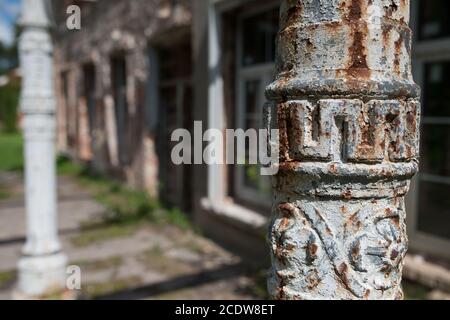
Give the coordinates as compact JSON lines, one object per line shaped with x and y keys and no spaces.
{"x":347,"y":109}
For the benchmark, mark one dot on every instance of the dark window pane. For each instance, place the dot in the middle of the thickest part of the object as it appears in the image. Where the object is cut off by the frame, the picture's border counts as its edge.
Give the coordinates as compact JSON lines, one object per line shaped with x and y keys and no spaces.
{"x":175,"y":62}
{"x":259,"y":36}
{"x":119,"y":82}
{"x":253,"y":116}
{"x":434,"y":185}
{"x":89,"y":93}
{"x":437,"y":89}
{"x":434,"y":16}
{"x":252,"y":108}
{"x":254,"y":180}
{"x":435,"y":150}
{"x":434,"y":209}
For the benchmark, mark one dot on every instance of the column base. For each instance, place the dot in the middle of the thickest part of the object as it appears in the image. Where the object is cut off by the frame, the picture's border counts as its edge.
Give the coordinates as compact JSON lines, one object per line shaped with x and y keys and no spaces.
{"x":41,"y":276}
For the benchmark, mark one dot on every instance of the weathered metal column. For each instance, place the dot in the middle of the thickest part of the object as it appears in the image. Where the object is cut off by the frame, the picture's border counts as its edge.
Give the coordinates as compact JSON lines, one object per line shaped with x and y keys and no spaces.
{"x":42,"y":266}
{"x":348,"y":111}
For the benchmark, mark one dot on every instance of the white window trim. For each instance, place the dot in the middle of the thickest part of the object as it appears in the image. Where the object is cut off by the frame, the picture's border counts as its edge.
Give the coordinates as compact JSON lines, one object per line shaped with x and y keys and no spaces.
{"x":216,"y":108}
{"x":424,"y":51}
{"x":262,"y":72}
{"x":217,"y":200}
{"x":216,"y":119}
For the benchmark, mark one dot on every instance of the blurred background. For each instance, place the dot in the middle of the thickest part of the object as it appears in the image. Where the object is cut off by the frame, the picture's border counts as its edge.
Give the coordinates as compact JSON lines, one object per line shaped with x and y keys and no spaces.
{"x":141,"y":227}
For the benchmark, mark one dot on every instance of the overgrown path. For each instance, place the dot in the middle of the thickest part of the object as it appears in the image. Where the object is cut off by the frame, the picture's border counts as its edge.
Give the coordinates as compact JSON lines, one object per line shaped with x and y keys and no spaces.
{"x":126,"y":245}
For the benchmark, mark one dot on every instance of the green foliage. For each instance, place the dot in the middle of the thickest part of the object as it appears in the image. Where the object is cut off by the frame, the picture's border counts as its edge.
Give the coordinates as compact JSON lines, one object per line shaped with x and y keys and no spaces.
{"x":176,"y":217}
{"x":9,"y":101}
{"x":124,"y":205}
{"x":93,"y":290}
{"x":102,"y":264}
{"x":4,"y":193}
{"x":11,"y":150}
{"x":9,"y":55}
{"x":66,"y":167}
{"x":88,"y":237}
{"x":6,"y":277}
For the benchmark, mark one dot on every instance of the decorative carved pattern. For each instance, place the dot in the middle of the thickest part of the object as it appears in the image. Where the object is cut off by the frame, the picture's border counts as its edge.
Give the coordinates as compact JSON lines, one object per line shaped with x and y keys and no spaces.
{"x":353,"y":251}
{"x":350,"y":130}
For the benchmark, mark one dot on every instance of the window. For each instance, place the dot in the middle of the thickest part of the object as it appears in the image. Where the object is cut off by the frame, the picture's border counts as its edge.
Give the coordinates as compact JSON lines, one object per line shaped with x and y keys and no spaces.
{"x":89,"y":94}
{"x":429,"y":200}
{"x":433,"y":19}
{"x":256,"y":55}
{"x":258,"y":34}
{"x":119,"y":84}
{"x":174,"y":91}
{"x":434,"y":177}
{"x":69,"y":108}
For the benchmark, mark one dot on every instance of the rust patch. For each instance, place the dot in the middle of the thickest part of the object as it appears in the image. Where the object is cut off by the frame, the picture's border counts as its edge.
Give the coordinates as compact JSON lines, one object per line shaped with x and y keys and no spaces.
{"x":386,"y":29}
{"x":313,"y":280}
{"x":356,"y":250}
{"x":397,"y":55}
{"x":332,"y":168}
{"x":342,"y":271}
{"x":394,"y":254}
{"x":289,"y":247}
{"x":358,"y":67}
{"x":352,"y":218}
{"x":293,"y":14}
{"x":311,"y":251}
{"x":284,"y":223}
{"x":283,"y":281}
{"x":411,"y":122}
{"x":396,"y":221}
{"x":289,"y":166}
{"x":308,"y":44}
{"x":283,"y":133}
{"x":287,"y":209}
{"x":347,"y":195}
{"x":391,"y":8}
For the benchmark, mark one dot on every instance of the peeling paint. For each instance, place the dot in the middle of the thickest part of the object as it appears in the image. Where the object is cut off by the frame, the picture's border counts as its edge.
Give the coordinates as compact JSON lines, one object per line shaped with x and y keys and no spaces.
{"x":348,"y":114}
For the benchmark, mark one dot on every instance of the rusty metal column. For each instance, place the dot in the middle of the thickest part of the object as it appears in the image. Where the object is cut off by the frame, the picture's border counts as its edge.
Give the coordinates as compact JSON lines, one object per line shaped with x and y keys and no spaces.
{"x":42,"y":266}
{"x":348,"y":112}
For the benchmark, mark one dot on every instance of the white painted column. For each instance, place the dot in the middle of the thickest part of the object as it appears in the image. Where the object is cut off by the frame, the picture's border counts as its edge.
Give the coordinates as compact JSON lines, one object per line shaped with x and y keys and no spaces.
{"x":42,"y":266}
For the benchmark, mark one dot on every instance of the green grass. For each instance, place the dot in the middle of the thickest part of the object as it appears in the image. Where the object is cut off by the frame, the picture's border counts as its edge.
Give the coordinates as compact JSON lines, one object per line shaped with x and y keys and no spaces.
{"x":9,"y":102}
{"x":155,"y":259}
{"x":4,"y":193}
{"x":107,"y":263}
{"x":125,"y":206}
{"x":11,"y":149}
{"x":91,"y":236}
{"x":94,"y":290}
{"x":6,"y":277}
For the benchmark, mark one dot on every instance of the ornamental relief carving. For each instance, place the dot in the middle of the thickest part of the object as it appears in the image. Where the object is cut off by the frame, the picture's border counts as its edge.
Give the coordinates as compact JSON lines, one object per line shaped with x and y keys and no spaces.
{"x":338,"y":248}
{"x":349,"y":130}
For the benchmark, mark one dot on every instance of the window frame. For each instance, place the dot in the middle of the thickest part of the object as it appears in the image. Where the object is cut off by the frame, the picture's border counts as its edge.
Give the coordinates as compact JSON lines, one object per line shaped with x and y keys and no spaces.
{"x":263,"y":72}
{"x":424,"y":51}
